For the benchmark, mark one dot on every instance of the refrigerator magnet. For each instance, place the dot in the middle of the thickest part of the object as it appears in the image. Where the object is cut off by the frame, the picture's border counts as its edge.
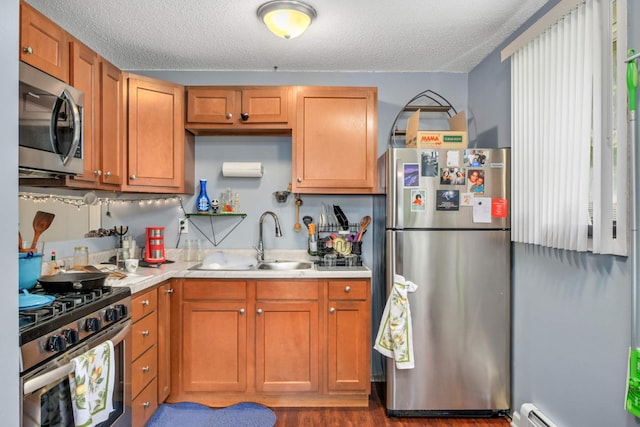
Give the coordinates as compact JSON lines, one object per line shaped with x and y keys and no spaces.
{"x":475,"y":180}
{"x":411,"y":172}
{"x":482,"y":210}
{"x":447,"y":200}
{"x":429,"y":160}
{"x":418,"y":200}
{"x":499,"y":208}
{"x":466,"y":199}
{"x":453,"y":158}
{"x":475,"y":158}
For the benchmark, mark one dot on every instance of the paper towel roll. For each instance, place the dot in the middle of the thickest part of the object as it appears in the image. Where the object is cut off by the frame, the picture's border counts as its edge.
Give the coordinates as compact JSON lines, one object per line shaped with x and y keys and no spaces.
{"x":242,"y":169}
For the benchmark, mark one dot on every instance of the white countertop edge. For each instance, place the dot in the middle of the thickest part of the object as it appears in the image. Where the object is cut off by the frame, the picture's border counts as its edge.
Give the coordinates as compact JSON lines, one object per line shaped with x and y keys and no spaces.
{"x":180,"y":269}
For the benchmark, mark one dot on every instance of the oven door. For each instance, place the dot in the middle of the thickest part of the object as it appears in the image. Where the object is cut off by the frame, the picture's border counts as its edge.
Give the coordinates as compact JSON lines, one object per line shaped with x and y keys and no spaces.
{"x":46,"y":392}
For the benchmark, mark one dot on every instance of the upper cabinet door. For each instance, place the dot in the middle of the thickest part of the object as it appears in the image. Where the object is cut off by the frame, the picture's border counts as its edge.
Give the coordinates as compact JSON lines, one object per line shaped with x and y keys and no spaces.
{"x":156,"y":135}
{"x":239,"y":109}
{"x":85,"y":76}
{"x":113,"y":125}
{"x":43,"y":44}
{"x":206,"y":105}
{"x":335,"y":140}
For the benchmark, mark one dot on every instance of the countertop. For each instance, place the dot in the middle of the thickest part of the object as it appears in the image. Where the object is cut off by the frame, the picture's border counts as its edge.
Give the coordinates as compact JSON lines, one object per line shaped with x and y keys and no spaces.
{"x":146,"y":277}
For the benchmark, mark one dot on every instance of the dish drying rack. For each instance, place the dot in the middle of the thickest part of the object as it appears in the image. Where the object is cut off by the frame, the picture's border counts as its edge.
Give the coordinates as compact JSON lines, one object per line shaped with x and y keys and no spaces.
{"x":325,"y":233}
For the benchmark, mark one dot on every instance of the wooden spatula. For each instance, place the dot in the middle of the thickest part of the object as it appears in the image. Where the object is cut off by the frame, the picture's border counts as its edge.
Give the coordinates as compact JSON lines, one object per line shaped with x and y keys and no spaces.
{"x":41,"y":222}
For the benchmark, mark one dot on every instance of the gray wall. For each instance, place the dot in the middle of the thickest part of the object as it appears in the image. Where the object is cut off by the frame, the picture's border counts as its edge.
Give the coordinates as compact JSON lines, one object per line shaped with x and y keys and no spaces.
{"x":571,"y":312}
{"x":9,"y":396}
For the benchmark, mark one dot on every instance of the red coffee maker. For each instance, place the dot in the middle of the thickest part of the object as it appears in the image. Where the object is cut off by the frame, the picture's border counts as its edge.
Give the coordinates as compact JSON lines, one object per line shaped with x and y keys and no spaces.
{"x":154,"y":248}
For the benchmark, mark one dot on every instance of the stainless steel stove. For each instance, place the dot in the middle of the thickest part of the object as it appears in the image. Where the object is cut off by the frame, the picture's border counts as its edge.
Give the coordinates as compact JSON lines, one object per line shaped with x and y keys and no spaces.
{"x":53,"y":334}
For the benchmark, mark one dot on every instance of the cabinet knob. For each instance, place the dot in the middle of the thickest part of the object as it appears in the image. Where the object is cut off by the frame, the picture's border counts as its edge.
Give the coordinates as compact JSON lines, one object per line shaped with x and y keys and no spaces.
{"x":299,"y":179}
{"x":145,"y":302}
{"x":229,"y":116}
{"x":132,"y":177}
{"x":244,"y":116}
{"x":145,"y":405}
{"x":145,"y":333}
{"x":242,"y":311}
{"x":28,"y":49}
{"x":332,"y":310}
{"x":107,"y":174}
{"x":347,"y":289}
{"x":168,"y":291}
{"x":259,"y":311}
{"x":97,"y":172}
{"x":145,"y":369}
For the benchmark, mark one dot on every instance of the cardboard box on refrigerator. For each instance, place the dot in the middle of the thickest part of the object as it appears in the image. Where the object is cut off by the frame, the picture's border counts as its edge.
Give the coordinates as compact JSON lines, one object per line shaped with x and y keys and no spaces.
{"x":455,"y":138}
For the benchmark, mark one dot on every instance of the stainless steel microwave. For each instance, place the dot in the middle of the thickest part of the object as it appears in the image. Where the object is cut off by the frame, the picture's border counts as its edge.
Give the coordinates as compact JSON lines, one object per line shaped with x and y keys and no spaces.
{"x":50,"y":125}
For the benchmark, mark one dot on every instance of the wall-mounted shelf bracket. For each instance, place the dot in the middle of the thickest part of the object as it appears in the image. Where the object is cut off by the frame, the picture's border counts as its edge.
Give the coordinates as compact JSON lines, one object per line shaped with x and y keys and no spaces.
{"x":237,"y":216}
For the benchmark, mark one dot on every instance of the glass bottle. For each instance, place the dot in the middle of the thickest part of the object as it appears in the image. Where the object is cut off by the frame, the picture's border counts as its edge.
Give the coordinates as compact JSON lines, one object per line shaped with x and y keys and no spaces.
{"x":203,"y":203}
{"x":313,"y":240}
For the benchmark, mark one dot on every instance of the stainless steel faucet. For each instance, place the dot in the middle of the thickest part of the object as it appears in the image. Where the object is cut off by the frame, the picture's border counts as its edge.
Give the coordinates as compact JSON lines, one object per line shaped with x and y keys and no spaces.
{"x":260,"y":247}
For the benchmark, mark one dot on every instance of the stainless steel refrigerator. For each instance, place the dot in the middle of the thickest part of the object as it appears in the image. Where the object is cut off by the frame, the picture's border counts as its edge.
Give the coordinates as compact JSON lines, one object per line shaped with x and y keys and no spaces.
{"x":447,"y":229}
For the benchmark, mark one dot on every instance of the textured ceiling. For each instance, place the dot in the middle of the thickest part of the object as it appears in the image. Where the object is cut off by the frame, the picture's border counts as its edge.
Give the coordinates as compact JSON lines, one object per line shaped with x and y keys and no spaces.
{"x":347,"y":35}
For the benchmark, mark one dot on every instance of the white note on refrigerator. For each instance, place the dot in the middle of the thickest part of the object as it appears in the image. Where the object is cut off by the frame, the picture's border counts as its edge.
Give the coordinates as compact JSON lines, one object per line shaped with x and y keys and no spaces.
{"x":482,"y":210}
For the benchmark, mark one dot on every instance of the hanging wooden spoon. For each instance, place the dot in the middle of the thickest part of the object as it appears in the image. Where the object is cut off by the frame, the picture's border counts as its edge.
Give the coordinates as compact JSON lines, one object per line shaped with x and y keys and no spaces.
{"x":297,"y":226}
{"x":364,"y":223}
{"x":41,"y":222}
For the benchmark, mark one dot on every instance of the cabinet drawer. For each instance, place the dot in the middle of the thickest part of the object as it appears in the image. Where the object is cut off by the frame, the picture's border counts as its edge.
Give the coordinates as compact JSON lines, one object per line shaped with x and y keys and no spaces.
{"x":287,"y":290}
{"x":143,"y":370}
{"x":348,"y":290}
{"x":214,"y":289}
{"x":144,"y":304}
{"x":144,"y":334}
{"x":144,"y":405}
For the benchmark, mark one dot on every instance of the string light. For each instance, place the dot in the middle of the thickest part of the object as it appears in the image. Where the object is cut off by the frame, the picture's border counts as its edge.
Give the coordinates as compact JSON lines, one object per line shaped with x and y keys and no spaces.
{"x":79,"y":201}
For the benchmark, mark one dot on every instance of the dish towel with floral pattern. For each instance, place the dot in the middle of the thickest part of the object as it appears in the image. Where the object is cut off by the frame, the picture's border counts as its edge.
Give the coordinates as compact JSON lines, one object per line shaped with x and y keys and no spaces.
{"x":92,"y":385}
{"x":395,"y":334}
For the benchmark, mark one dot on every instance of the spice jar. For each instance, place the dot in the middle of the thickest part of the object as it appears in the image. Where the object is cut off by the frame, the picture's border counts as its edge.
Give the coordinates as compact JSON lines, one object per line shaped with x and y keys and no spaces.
{"x":80,"y":256}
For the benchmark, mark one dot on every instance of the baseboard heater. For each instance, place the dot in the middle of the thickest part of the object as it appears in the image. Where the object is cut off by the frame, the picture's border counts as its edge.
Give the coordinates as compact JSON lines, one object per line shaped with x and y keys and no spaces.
{"x":531,"y":416}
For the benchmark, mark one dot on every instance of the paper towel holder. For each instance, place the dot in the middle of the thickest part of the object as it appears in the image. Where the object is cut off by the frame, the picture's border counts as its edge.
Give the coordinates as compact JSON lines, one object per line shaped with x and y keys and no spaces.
{"x":242,"y":169}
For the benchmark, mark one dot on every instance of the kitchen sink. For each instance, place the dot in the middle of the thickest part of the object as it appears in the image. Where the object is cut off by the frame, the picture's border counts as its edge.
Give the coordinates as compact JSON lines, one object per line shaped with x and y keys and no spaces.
{"x":284,"y":265}
{"x":262,"y":265}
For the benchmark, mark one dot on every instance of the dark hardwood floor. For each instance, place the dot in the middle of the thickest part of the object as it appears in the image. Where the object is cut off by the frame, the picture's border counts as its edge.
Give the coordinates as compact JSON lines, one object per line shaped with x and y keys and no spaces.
{"x":374,"y":415}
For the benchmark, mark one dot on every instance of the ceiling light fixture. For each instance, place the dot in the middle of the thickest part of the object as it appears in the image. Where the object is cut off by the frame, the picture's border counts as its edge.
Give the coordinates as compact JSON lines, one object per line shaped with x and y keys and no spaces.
{"x":286,"y":18}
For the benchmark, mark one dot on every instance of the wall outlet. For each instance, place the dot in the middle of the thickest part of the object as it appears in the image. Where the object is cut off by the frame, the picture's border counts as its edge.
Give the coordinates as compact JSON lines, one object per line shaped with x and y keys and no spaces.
{"x":183,"y":225}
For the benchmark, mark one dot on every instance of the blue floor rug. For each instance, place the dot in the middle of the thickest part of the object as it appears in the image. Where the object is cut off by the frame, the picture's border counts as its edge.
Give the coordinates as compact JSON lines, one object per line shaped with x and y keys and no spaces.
{"x":195,"y":415}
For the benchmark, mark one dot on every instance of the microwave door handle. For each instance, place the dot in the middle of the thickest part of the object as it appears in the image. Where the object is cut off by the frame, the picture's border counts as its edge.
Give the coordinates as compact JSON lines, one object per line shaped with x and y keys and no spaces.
{"x":50,"y":377}
{"x":74,"y":111}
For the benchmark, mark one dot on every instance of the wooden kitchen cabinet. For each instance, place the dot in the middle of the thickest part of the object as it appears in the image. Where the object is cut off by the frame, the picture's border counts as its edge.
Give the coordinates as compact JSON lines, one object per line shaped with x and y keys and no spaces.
{"x":348,"y":336}
{"x":156,"y":159}
{"x":335,"y":140}
{"x":165,"y":294}
{"x":84,"y":74}
{"x":104,"y":121}
{"x":268,"y":341}
{"x":250,"y":109}
{"x":214,"y":327}
{"x":43,"y":44}
{"x":144,"y":356}
{"x":287,"y":336}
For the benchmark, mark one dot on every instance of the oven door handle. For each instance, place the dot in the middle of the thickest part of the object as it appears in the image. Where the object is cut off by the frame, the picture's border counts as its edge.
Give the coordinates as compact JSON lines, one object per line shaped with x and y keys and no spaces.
{"x":43,"y":380}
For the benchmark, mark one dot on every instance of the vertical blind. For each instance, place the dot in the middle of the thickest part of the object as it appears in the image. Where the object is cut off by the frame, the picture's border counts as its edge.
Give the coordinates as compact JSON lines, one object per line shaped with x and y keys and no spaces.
{"x":556,"y":117}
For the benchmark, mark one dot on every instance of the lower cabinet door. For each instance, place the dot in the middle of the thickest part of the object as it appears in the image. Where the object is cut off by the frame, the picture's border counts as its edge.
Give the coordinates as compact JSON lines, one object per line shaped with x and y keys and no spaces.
{"x":214,"y":346}
{"x":144,"y":405}
{"x":287,"y":346}
{"x":348,"y":346}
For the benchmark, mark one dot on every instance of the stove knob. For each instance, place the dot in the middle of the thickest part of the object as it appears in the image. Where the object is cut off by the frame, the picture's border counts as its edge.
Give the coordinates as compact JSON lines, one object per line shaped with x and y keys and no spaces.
{"x":71,"y":336}
{"x":92,"y":324}
{"x":122,"y":309}
{"x":56,"y":343}
{"x":110,"y":314}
